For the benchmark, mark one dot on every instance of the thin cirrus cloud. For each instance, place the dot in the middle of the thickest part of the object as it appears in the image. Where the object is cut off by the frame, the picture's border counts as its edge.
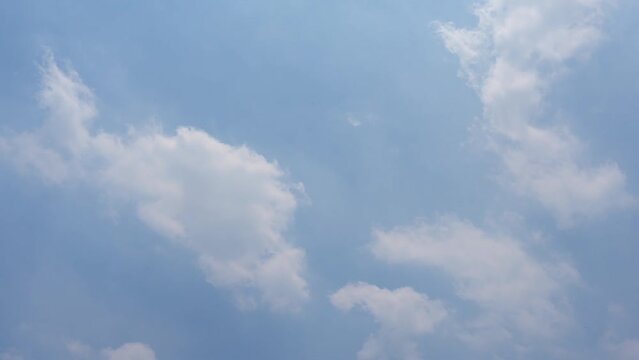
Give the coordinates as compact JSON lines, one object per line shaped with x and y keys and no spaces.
{"x":227,"y":204}
{"x":511,"y":59}
{"x":404,"y":316}
{"x":518,"y":296}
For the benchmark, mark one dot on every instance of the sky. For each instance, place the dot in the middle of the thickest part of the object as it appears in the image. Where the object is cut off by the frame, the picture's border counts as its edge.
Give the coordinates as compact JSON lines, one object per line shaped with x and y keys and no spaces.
{"x":370,"y":180}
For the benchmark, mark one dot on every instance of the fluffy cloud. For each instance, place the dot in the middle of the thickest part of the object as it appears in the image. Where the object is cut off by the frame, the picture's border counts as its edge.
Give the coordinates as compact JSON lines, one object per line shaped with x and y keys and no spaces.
{"x":518,"y":295}
{"x":227,"y":204}
{"x":403,"y":316}
{"x":128,"y":351}
{"x":511,"y":58}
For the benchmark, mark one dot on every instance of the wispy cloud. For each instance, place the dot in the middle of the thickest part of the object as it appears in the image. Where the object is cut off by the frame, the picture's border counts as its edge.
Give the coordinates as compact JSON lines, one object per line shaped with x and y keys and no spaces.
{"x":10,"y":356}
{"x":518,"y":295}
{"x":618,"y":342}
{"x":128,"y":351}
{"x":511,"y":59}
{"x":353,"y":120}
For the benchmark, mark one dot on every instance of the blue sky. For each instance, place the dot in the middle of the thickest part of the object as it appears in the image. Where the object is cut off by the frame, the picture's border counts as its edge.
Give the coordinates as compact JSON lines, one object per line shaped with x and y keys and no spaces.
{"x":305,"y":180}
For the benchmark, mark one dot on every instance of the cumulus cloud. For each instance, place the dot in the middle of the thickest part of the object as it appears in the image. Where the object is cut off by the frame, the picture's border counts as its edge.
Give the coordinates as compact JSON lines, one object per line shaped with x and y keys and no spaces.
{"x":128,"y":351}
{"x":511,"y":58}
{"x":518,"y":296}
{"x":404,"y":315}
{"x":227,"y":204}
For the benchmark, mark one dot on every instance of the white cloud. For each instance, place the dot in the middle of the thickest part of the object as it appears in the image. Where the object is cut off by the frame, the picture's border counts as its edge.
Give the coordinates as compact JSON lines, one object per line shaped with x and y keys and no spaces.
{"x":10,"y":356}
{"x":80,"y":350}
{"x":353,"y":120}
{"x":518,"y":295}
{"x":511,"y":58}
{"x":618,"y":341}
{"x":403,"y":316}
{"x":227,"y":204}
{"x":128,"y":351}
{"x":625,"y":350}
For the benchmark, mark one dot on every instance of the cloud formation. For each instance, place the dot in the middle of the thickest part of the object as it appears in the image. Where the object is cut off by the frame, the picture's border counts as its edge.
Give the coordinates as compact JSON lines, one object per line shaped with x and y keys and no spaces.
{"x":518,"y":296}
{"x":625,"y":350}
{"x":10,"y":356}
{"x":227,"y":204}
{"x":618,"y":340}
{"x":128,"y":351}
{"x":404,"y":315}
{"x":511,"y":59}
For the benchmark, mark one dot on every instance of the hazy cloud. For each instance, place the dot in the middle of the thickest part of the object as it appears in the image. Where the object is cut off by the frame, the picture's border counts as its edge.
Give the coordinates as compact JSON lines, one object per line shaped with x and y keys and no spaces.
{"x":10,"y":356}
